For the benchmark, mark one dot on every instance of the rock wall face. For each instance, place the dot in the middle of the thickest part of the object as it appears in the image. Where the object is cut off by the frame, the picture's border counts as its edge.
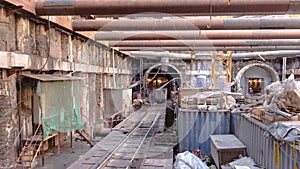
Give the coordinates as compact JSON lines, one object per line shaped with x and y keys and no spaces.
{"x":33,"y":45}
{"x":8,"y":122}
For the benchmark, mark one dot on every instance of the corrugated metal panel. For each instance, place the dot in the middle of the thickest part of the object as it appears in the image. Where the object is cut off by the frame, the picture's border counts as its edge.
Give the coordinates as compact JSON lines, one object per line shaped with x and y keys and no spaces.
{"x":194,"y":128}
{"x":260,"y":148}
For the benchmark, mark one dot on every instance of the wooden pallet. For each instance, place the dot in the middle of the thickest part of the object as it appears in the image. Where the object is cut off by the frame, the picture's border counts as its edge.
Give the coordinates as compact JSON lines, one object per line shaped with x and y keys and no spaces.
{"x":293,"y":109}
{"x":269,"y":118}
{"x":257,"y":113}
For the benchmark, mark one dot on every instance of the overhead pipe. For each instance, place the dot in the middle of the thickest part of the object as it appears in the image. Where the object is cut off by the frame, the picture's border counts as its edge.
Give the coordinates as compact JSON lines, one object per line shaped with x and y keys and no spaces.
{"x":155,"y":54}
{"x":248,"y":55}
{"x":199,"y":23}
{"x":205,"y":43}
{"x":194,"y":35}
{"x":291,"y":53}
{"x":217,"y":48}
{"x":182,"y":7}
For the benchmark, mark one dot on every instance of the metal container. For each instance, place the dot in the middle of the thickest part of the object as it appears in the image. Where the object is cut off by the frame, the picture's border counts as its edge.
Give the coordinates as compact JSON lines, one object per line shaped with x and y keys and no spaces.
{"x":260,"y":148}
{"x":201,"y":81}
{"x":194,"y":128}
{"x":226,"y":148}
{"x":221,"y":82}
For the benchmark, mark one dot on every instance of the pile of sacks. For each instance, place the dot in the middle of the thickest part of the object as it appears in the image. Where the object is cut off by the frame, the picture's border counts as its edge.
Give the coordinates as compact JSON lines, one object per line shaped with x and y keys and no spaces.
{"x":188,"y":160}
{"x":281,"y":95}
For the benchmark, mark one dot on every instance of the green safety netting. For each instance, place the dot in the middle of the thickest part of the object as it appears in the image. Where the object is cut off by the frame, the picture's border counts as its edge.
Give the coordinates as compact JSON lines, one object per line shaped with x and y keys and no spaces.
{"x":60,"y":106}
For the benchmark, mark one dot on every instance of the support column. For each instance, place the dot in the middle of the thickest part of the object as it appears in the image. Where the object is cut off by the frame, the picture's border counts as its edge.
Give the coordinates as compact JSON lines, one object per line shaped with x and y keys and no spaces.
{"x":43,"y":149}
{"x":143,"y":85}
{"x":71,"y":141}
{"x":114,"y":72}
{"x":58,"y":147}
{"x":283,"y":68}
{"x":213,"y":70}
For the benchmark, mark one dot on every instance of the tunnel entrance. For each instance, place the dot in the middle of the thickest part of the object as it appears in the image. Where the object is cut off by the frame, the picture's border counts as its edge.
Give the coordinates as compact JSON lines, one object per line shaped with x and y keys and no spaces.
{"x":255,"y":85}
{"x":163,"y":76}
{"x":167,"y":78}
{"x":255,"y":77}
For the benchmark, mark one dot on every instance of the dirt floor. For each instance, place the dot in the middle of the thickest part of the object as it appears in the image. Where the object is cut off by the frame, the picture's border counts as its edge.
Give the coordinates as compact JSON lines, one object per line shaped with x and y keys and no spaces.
{"x":67,"y":155}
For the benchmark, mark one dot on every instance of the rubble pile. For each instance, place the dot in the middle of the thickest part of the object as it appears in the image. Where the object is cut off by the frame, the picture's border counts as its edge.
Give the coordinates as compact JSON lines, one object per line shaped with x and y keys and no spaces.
{"x":242,"y":163}
{"x":281,"y":103}
{"x":193,"y":160}
{"x":208,"y":100}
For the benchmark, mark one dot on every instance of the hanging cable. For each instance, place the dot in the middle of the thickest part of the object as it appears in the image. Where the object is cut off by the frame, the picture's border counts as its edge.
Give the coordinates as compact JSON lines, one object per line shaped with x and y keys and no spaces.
{"x":210,"y":16}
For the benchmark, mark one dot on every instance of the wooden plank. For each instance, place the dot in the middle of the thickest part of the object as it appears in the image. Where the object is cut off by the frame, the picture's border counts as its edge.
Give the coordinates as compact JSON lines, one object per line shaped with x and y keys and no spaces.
{"x":270,"y":118}
{"x":257,"y":113}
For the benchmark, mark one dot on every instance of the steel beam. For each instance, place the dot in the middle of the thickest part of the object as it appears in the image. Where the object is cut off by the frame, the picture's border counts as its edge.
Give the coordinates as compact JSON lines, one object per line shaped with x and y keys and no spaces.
{"x":194,"y":35}
{"x":205,"y":43}
{"x":185,"y":7}
{"x":200,"y":23}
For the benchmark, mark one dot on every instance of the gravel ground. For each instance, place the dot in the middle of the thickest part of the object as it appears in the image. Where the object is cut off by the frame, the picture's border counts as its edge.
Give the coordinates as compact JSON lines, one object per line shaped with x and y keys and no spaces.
{"x":67,"y":155}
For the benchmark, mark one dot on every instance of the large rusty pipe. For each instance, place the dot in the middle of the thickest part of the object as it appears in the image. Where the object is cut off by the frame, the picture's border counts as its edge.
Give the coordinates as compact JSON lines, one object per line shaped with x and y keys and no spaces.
{"x":203,"y":43}
{"x":185,"y":24}
{"x":218,"y":48}
{"x":192,"y":7}
{"x":194,"y":35}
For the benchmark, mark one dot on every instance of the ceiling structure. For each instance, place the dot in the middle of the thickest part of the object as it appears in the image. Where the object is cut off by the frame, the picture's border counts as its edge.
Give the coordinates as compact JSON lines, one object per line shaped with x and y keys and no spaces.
{"x":181,"y":25}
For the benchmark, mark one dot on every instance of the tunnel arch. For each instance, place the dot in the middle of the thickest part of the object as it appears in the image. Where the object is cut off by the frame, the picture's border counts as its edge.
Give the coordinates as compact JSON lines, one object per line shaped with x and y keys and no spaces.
{"x":239,"y":77}
{"x":164,"y":64}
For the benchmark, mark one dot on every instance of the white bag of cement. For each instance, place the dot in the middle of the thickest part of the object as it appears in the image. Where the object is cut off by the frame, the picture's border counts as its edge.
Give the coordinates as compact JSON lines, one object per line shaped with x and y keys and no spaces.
{"x":290,"y":85}
{"x":246,"y":162}
{"x":188,"y":160}
{"x":202,"y":107}
{"x":230,"y":102}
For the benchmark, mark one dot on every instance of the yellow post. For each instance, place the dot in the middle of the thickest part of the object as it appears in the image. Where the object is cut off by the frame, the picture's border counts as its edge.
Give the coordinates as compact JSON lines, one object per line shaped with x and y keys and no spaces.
{"x":276,"y":155}
{"x":229,"y":79}
{"x":295,"y":154}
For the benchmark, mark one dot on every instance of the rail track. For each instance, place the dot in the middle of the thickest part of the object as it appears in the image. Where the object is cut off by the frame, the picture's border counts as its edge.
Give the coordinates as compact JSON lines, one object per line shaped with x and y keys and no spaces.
{"x":131,"y":144}
{"x":129,"y":153}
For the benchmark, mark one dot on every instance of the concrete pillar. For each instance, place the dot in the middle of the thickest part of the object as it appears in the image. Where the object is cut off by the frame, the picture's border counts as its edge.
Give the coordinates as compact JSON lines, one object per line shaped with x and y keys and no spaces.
{"x":8,"y":121}
{"x":284,"y":68}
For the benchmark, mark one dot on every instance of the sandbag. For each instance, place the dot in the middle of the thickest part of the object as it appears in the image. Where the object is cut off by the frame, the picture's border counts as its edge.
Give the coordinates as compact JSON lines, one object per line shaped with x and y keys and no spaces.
{"x":188,"y":160}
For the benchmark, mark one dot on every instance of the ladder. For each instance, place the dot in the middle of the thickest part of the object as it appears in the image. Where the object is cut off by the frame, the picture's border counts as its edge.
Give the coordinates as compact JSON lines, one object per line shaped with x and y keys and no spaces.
{"x":85,"y":136}
{"x":30,"y":150}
